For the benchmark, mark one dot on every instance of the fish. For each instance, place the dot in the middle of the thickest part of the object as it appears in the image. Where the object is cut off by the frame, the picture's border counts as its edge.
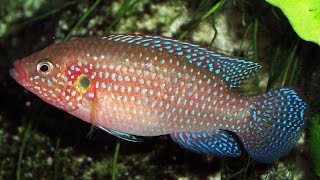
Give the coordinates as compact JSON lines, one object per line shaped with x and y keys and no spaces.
{"x":142,"y":85}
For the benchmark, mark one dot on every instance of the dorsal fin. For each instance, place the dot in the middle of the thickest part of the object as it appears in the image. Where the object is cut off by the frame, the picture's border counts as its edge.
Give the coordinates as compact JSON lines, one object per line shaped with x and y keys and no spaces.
{"x":122,"y":135}
{"x":233,"y":70}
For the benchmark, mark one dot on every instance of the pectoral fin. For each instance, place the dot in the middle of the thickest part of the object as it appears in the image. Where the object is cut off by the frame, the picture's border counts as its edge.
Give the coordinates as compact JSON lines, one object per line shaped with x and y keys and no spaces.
{"x":122,"y":135}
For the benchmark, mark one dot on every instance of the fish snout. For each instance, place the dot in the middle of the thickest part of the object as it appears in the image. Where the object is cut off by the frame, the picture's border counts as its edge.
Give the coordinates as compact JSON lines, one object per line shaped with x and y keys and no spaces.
{"x":19,"y":72}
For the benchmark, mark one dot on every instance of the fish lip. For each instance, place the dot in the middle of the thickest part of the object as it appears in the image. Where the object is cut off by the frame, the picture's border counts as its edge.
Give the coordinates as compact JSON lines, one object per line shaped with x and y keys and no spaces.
{"x":19,"y":72}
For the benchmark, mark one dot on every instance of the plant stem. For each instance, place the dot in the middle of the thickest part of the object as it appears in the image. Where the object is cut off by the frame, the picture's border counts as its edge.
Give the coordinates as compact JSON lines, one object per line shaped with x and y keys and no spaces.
{"x":208,"y":13}
{"x":288,"y":67}
{"x":255,"y":39}
{"x":26,"y":135}
{"x":56,"y":156}
{"x":115,"y":158}
{"x":83,"y":17}
{"x":125,"y":7}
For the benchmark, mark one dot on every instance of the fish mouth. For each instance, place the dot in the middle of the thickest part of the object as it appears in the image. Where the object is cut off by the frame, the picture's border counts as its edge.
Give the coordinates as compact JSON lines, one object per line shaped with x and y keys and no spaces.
{"x":19,"y":72}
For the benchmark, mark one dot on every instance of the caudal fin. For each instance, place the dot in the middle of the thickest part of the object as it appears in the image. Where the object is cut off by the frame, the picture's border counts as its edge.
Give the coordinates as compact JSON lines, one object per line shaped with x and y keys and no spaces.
{"x":276,"y":121}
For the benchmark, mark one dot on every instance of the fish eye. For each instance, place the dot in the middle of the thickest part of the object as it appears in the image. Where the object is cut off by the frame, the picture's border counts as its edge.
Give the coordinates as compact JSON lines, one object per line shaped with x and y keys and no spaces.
{"x":44,"y":67}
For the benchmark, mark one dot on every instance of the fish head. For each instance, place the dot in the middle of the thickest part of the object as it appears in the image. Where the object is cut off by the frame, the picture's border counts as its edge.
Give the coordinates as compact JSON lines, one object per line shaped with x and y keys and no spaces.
{"x":44,"y":74}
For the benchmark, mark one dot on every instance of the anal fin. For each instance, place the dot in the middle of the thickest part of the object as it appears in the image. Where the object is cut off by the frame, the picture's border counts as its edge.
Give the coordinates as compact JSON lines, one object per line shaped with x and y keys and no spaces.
{"x":121,"y":135}
{"x":218,"y":143}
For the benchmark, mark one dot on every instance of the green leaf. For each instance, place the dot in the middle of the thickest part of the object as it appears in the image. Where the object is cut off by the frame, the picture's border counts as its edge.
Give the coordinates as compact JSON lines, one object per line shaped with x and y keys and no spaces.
{"x":304,"y":16}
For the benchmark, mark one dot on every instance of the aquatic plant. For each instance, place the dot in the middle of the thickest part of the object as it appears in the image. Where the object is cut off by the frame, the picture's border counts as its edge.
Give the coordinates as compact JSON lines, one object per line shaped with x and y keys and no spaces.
{"x":304,"y":17}
{"x":315,"y":142}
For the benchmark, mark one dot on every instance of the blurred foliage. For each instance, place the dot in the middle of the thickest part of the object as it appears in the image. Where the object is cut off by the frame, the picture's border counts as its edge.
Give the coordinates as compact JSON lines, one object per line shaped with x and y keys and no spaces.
{"x":12,"y":11}
{"x":315,"y":142}
{"x":43,"y":160}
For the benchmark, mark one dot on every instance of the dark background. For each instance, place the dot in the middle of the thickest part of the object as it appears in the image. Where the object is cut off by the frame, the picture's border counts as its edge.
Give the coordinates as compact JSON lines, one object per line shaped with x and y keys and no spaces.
{"x":53,"y":144}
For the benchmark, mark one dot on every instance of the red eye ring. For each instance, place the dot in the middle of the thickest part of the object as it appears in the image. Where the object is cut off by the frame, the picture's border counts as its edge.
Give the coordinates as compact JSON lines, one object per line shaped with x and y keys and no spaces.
{"x":45,"y":67}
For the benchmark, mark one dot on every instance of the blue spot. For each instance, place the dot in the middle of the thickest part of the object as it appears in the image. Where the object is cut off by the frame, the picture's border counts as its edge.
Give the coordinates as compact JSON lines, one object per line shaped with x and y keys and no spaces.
{"x":91,"y":95}
{"x":49,"y":82}
{"x":113,"y":76}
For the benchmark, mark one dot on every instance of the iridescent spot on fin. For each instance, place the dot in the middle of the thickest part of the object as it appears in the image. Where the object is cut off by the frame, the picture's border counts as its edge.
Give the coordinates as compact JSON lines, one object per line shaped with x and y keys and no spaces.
{"x":121,"y":135}
{"x":218,"y":143}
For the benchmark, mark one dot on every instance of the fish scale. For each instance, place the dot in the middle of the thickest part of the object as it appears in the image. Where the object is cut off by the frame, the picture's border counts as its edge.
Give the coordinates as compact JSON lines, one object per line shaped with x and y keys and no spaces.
{"x":151,"y":85}
{"x":161,"y":95}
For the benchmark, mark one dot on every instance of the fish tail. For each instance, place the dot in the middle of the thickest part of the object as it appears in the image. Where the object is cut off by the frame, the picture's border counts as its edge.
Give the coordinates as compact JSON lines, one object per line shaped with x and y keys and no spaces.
{"x":275,"y":124}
